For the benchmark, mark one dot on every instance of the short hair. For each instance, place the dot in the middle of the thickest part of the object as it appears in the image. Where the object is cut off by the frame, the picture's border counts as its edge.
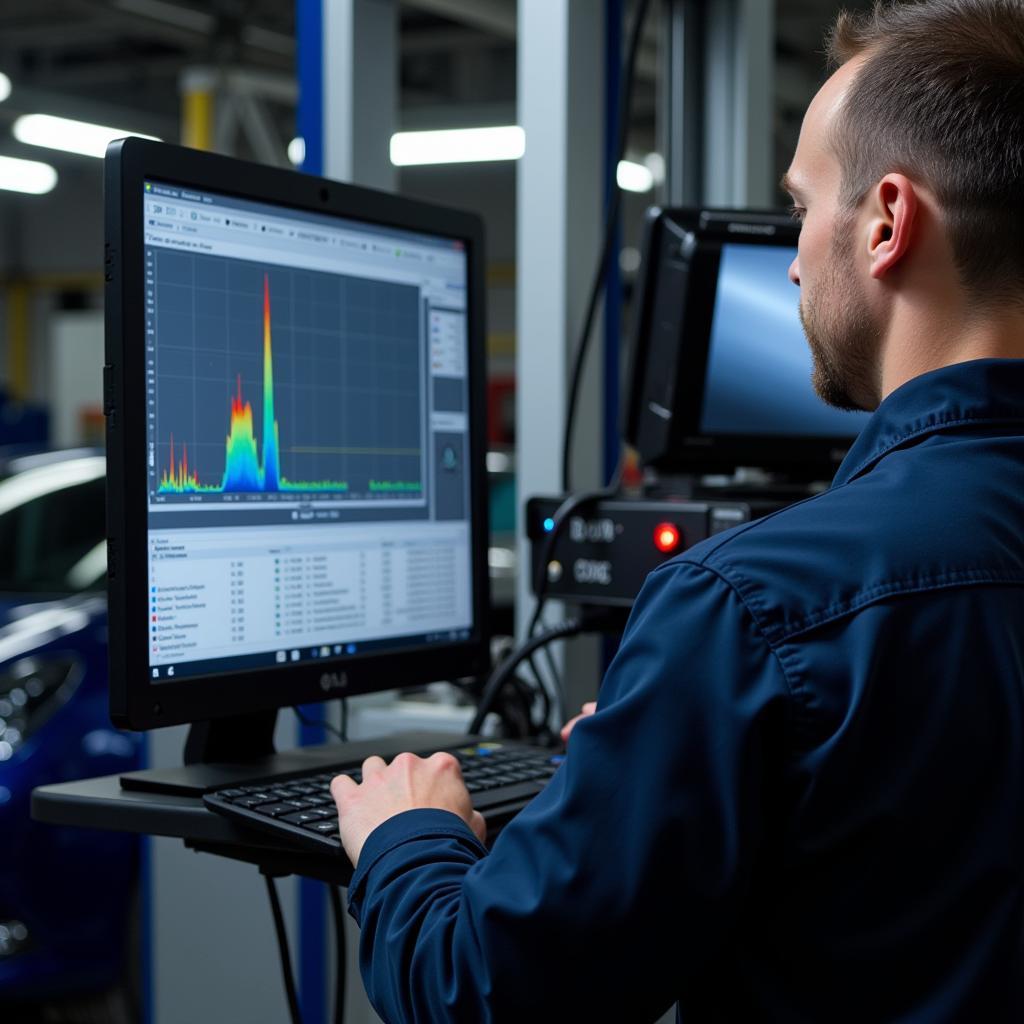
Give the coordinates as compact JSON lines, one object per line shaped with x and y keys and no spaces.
{"x":940,"y":98}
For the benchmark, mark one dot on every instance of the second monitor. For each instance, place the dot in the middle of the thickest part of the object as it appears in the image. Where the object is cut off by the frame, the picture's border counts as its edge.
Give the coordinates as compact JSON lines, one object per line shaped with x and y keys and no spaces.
{"x":721,"y":368}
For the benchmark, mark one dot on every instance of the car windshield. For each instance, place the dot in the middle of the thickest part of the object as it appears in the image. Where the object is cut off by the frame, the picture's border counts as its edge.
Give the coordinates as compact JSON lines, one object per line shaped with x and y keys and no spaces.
{"x":53,"y":528}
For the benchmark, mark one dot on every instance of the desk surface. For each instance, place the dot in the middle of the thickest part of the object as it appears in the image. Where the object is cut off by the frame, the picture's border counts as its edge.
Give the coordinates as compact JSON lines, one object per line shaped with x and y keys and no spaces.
{"x":104,"y":804}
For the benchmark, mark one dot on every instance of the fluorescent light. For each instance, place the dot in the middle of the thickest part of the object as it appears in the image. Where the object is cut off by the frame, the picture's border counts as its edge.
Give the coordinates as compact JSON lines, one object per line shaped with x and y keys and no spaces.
{"x":5,"y":87}
{"x":458,"y":146}
{"x":26,"y":176}
{"x":67,"y":135}
{"x":297,"y":150}
{"x":634,"y":177}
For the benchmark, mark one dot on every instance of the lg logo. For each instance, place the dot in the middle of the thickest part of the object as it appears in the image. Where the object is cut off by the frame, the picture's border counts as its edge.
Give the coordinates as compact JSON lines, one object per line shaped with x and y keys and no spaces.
{"x":334,"y":681}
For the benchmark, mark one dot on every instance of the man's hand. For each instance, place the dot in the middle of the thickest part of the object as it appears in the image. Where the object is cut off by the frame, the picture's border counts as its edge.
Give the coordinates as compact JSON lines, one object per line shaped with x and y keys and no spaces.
{"x":588,"y":709}
{"x":408,"y":783}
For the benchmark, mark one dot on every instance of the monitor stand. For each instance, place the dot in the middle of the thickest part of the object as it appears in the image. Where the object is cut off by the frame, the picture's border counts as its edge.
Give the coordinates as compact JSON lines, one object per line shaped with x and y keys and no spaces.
{"x":219,"y":752}
{"x":239,"y":738}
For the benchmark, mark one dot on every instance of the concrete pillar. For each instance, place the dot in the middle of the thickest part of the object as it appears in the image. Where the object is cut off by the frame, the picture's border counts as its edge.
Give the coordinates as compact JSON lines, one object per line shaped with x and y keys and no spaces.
{"x":559,"y":221}
{"x":738,"y":112}
{"x":360,"y":98}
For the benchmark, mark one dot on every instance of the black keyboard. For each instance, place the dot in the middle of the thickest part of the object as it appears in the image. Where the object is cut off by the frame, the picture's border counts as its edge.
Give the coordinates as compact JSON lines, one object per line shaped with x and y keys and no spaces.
{"x":298,"y":807}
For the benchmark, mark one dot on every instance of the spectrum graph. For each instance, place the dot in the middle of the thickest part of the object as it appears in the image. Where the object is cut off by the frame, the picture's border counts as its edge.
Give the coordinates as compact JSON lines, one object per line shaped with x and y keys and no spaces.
{"x":244,"y":471}
{"x":270,"y":383}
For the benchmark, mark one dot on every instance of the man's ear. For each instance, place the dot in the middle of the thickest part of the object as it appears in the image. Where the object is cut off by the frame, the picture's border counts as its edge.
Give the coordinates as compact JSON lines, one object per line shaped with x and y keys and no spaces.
{"x":892,"y":229}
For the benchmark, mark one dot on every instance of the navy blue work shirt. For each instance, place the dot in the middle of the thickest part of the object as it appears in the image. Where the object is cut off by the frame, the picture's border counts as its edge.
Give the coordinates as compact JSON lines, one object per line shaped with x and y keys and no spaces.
{"x":802,"y":795}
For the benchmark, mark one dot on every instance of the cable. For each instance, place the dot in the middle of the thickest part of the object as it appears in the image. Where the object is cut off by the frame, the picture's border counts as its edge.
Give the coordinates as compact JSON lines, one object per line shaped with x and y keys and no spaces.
{"x":501,"y":675}
{"x":540,"y":584}
{"x":611,"y":224}
{"x":282,"y":948}
{"x":342,"y":967}
{"x":541,"y":689}
{"x":573,"y":503}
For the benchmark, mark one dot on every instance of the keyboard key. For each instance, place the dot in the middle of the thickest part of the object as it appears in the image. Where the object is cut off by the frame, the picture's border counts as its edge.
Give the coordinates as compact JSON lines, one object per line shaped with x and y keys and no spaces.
{"x":326,"y":800}
{"x":255,"y":800}
{"x":277,"y":810}
{"x":305,"y":817}
{"x":325,"y":828}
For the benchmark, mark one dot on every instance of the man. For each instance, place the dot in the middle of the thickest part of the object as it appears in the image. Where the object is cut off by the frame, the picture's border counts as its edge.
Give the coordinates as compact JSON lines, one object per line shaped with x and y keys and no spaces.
{"x":801,"y":797}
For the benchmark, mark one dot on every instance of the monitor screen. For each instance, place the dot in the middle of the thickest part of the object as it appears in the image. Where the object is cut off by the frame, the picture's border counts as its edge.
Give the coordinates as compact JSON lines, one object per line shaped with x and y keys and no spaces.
{"x":306,"y":452}
{"x":758,"y":377}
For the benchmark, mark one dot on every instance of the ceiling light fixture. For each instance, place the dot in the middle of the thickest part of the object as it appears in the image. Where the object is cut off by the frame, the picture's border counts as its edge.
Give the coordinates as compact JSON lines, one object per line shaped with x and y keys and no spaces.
{"x":5,"y":87}
{"x":69,"y":136}
{"x":297,"y":151}
{"x":29,"y":176}
{"x":634,"y":177}
{"x":458,"y":146}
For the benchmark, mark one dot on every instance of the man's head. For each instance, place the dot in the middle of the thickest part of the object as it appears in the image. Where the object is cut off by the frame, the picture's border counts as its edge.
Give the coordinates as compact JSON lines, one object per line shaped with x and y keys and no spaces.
{"x":909,"y":177}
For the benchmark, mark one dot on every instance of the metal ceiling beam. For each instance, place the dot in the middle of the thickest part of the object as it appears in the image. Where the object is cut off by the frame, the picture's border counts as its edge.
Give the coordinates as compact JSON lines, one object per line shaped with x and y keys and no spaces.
{"x":495,"y":16}
{"x":26,"y":100}
{"x":499,"y":18}
{"x":152,"y":69}
{"x":188,"y":28}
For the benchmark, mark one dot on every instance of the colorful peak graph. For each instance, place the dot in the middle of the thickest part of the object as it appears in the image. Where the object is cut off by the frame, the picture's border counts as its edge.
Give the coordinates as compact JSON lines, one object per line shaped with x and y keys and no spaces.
{"x":244,"y":471}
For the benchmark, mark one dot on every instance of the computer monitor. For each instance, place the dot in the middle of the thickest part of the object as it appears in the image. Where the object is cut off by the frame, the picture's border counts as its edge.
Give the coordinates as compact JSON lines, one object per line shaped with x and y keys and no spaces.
{"x":721,"y":367}
{"x":296,"y":433}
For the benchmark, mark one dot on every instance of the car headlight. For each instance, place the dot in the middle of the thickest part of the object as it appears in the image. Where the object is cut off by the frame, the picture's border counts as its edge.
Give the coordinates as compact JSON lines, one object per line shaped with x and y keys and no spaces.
{"x":13,"y":938}
{"x":31,"y":690}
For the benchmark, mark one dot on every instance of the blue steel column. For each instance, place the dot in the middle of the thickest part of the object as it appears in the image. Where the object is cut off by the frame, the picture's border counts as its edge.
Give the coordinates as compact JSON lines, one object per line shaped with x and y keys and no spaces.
{"x":309,"y":18}
{"x":312,"y":973}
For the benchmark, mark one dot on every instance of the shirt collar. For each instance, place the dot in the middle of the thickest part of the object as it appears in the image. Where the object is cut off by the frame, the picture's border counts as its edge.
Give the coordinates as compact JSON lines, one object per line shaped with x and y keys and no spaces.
{"x":982,"y":390}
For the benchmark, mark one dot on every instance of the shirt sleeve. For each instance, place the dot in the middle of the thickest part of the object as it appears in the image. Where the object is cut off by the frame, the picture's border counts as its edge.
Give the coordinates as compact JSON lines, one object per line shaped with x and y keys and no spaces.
{"x":604,"y":896}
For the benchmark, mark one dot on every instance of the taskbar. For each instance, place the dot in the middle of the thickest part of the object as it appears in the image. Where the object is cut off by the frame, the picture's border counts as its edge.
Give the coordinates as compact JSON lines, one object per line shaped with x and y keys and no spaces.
{"x":166,"y":673}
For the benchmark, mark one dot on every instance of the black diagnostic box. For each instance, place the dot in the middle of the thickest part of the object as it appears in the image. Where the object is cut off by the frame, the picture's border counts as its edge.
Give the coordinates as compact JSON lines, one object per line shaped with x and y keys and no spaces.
{"x":602,"y":555}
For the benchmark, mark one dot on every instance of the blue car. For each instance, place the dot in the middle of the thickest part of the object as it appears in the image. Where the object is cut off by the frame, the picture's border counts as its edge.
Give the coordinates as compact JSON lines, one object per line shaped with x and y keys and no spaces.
{"x":68,"y":896}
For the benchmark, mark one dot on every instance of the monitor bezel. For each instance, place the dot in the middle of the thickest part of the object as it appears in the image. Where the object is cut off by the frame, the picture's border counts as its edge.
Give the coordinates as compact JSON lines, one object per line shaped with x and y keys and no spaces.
{"x":694,"y":450}
{"x":137,"y":701}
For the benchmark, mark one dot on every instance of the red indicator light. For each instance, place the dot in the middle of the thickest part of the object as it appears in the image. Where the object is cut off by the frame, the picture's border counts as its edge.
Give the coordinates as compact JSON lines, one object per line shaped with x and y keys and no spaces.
{"x":666,"y":537}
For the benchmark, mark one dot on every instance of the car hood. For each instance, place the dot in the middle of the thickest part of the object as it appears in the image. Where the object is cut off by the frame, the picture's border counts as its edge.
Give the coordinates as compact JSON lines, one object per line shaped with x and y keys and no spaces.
{"x":28,"y":622}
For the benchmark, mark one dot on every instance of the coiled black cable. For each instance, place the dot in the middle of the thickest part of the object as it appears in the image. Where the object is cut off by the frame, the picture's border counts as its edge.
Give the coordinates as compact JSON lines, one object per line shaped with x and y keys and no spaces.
{"x":571,"y":627}
{"x":342,"y":966}
{"x":285,"y":954}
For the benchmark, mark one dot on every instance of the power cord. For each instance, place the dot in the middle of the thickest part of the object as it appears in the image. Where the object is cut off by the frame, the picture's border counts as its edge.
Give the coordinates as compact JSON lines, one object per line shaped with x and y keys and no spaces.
{"x":571,"y":505}
{"x":533,"y":641}
{"x":342,"y":967}
{"x":587,"y":622}
{"x":282,"y":948}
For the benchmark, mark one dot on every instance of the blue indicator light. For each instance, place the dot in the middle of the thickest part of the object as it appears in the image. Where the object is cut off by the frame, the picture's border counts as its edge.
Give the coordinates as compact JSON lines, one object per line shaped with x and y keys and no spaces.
{"x":549,"y":524}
